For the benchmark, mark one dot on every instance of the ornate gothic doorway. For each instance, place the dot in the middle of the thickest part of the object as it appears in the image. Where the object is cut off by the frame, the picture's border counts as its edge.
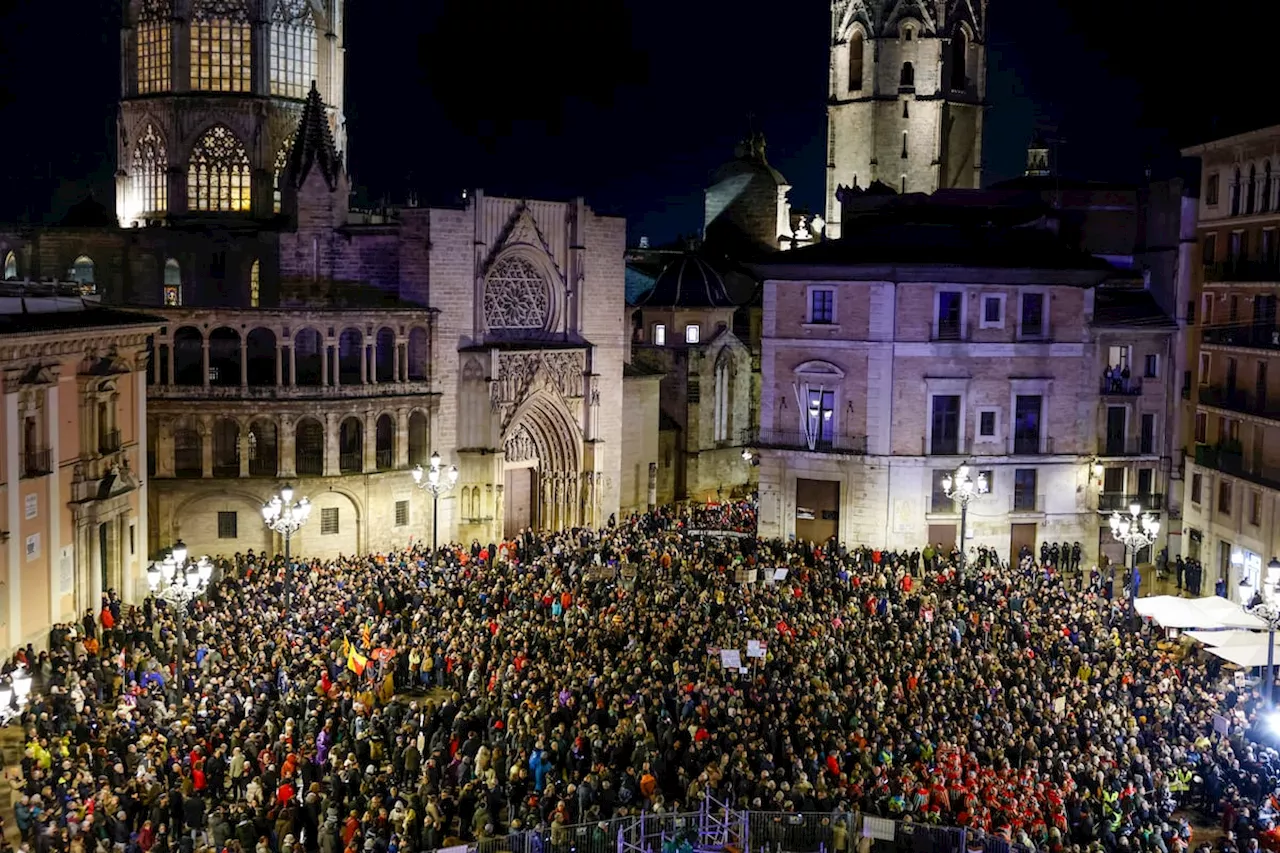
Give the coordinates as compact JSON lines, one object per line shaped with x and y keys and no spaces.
{"x":521,"y":494}
{"x":542,"y":457}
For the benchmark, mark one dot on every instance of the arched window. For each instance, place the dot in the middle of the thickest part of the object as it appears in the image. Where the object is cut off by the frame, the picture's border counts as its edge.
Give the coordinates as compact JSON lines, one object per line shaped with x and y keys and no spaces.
{"x":1264,"y":202}
{"x":172,"y":283}
{"x":1235,"y":192}
{"x":150,"y":165}
{"x":908,"y":77}
{"x":221,"y":46}
{"x":154,"y":46}
{"x":81,"y":273}
{"x":282,"y":160}
{"x":723,"y":416}
{"x":255,"y":283}
{"x":959,"y":61}
{"x":855,"y":60}
{"x":1251,"y":191}
{"x":10,"y":266}
{"x":293,"y":49}
{"x":218,"y":172}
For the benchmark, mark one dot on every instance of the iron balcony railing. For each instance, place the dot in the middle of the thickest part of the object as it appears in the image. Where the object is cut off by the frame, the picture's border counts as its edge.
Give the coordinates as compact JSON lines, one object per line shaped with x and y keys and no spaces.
{"x":1230,"y":461}
{"x":1119,"y":445}
{"x":309,"y":463}
{"x":1120,"y":387}
{"x":1238,"y":400}
{"x":351,"y":462}
{"x":1120,"y":502}
{"x":1026,"y":503}
{"x":263,"y":465}
{"x":1241,"y":270}
{"x":798,"y":440}
{"x":109,"y":442}
{"x":36,"y":463}
{"x":384,"y":460}
{"x":1254,"y":335}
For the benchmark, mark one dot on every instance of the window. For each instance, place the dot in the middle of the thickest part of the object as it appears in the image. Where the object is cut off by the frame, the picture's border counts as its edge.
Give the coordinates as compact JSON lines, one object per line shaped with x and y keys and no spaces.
{"x":10,"y":266}
{"x":855,"y":60}
{"x":1206,"y":309}
{"x":1118,"y":358}
{"x":993,"y":312}
{"x":692,"y":333}
{"x":1251,"y":190}
{"x":1267,"y":251}
{"x":218,"y":172}
{"x":255,"y":283}
{"x":1033,"y":325}
{"x":988,"y":423}
{"x":907,"y":79}
{"x":1209,"y":249}
{"x":81,"y":273}
{"x":945,"y":438}
{"x":1147,"y":433}
{"x":1151,"y":366}
{"x":172,"y":283}
{"x":402,"y":513}
{"x":1195,"y":488}
{"x":959,"y":61}
{"x":1024,"y":489}
{"x":904,"y":143}
{"x":820,"y":417}
{"x":949,"y":319}
{"x":149,"y":175}
{"x":226,"y":525}
{"x":329,"y":521}
{"x":822,"y":305}
{"x":282,"y":160}
{"x":724,"y":376}
{"x":1237,"y":246}
{"x":221,"y":52}
{"x":1235,"y":193}
{"x":1026,"y":423}
{"x":1204,"y":368}
{"x":939,"y":502}
{"x":1264,"y":200}
{"x":153,"y":43}
{"x":1211,"y":189}
{"x":660,"y":334}
{"x":1255,"y":508}
{"x":293,"y":49}
{"x":1202,"y":427}
{"x":1224,"y":497}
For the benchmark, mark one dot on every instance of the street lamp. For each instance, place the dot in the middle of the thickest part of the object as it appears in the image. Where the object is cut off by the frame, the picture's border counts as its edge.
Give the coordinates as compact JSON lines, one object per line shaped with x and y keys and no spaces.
{"x":438,"y":482}
{"x":1136,"y":530}
{"x":1268,"y":612}
{"x":17,"y":687}
{"x":962,"y":488}
{"x":178,"y":581}
{"x":285,"y":516}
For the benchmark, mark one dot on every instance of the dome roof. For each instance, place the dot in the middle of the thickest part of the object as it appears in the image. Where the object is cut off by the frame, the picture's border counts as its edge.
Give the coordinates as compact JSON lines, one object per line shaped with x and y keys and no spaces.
{"x":749,"y":159}
{"x":687,"y":282}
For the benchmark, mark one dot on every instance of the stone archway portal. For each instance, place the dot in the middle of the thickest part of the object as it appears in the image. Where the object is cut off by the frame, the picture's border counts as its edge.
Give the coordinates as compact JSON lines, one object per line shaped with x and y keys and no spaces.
{"x":541,"y":484}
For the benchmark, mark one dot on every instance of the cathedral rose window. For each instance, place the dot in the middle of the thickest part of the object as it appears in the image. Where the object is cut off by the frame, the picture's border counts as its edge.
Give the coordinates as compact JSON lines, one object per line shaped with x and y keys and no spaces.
{"x":516,"y":296}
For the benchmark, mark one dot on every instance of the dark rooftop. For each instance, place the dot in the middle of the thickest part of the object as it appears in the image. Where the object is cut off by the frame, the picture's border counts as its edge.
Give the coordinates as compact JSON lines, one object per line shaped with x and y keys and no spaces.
{"x":1124,"y":306}
{"x":41,"y":322}
{"x":687,"y":282}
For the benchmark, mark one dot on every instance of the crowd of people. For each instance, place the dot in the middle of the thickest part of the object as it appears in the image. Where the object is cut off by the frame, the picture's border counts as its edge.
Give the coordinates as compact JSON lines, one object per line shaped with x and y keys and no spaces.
{"x":412,"y":700}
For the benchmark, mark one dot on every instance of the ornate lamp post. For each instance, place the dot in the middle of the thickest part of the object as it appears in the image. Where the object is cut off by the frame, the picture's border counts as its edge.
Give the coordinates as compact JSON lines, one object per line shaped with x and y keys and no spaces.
{"x":1136,"y":530}
{"x":18,"y":687}
{"x":962,"y":488}
{"x":178,"y":581}
{"x":438,"y":482}
{"x":286,"y":517}
{"x":1268,"y":612}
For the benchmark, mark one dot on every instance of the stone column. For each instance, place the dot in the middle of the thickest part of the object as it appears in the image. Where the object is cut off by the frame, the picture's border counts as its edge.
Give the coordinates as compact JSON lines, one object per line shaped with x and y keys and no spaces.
{"x":293,"y":366}
{"x":331,"y":464}
{"x":364,"y":364}
{"x":279,"y":364}
{"x":286,"y":447}
{"x":369,"y":462}
{"x":244,"y":449}
{"x":204,"y":362}
{"x":13,"y":512}
{"x":244,"y":363}
{"x":169,"y":356}
{"x":401,"y":455}
{"x":653,"y":485}
{"x":336,"y":362}
{"x":206,"y":446}
{"x":324,"y":364}
{"x":164,"y":447}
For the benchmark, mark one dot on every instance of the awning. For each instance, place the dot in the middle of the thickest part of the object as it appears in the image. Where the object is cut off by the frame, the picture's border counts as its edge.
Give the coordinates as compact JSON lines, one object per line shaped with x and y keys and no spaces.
{"x":1205,"y":613}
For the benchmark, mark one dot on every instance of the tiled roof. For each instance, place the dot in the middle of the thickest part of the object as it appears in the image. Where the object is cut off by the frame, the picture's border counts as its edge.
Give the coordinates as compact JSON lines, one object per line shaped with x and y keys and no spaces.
{"x":687,"y":282}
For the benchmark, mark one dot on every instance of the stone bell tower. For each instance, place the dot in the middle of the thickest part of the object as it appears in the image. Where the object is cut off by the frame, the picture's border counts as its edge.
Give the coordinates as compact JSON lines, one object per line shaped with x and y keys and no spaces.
{"x":906,"y":95}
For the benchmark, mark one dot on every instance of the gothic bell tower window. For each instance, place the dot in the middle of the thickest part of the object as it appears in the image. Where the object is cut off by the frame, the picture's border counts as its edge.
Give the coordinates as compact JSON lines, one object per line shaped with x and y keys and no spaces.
{"x":855,"y":61}
{"x":218,"y":173}
{"x":154,"y":46}
{"x":221,"y":46}
{"x":282,"y":160}
{"x":907,"y":80}
{"x":293,"y":49}
{"x":149,"y":167}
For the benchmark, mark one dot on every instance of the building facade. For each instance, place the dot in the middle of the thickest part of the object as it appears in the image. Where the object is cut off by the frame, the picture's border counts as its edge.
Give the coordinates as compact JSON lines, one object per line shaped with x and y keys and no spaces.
{"x":906,"y":97}
{"x":74,"y":429}
{"x":1232,"y":505}
{"x":306,"y":342}
{"x":896,"y":353}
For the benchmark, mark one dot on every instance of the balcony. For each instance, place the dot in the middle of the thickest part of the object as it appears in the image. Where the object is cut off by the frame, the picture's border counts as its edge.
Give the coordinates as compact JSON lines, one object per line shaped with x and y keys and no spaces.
{"x":351,"y":463}
{"x":36,"y":463}
{"x":263,"y":465}
{"x":109,"y":442}
{"x":1026,"y":503}
{"x":309,"y":463}
{"x":1260,"y":336}
{"x":1118,"y":387}
{"x":1231,"y":461}
{"x":384,"y":460}
{"x":1242,"y":271}
{"x":1118,"y":446}
{"x":1120,"y":502}
{"x":797,"y":440}
{"x":1030,"y":445}
{"x":940,"y":504}
{"x":1238,"y":401}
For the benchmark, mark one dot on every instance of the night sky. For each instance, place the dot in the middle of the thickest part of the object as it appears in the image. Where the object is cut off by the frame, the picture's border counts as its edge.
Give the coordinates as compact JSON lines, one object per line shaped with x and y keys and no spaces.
{"x":632,"y":103}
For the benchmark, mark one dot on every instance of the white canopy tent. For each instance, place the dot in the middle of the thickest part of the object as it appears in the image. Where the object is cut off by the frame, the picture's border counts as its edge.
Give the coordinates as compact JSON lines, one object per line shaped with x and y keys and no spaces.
{"x":1230,"y":637}
{"x":1247,"y":656}
{"x":1207,"y":613}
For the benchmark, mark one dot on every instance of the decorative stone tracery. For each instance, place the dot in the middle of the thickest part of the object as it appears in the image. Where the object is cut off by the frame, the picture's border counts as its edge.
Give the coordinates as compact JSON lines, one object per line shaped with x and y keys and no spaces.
{"x":516,"y":296}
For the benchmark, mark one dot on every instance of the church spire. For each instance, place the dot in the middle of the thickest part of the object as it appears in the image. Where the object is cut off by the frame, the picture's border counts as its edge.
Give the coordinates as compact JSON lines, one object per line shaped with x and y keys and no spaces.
{"x":313,"y":145}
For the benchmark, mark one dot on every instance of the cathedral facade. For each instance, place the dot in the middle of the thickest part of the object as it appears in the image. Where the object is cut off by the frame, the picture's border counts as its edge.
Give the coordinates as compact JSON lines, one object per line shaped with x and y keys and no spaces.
{"x":330,"y":348}
{"x":906,"y":97}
